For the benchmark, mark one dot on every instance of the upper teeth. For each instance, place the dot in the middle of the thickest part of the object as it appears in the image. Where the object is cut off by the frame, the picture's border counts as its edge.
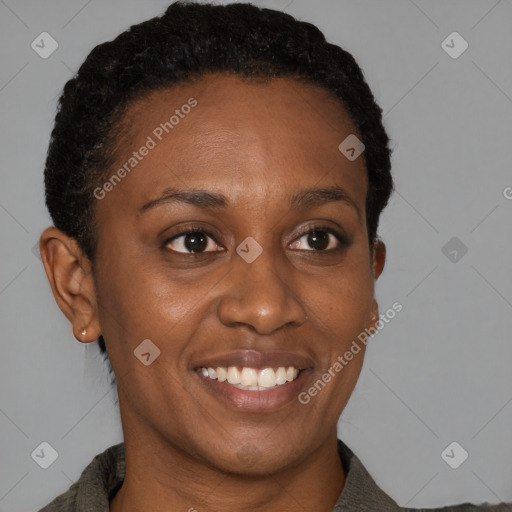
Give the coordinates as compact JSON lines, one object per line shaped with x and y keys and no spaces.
{"x":252,"y":378}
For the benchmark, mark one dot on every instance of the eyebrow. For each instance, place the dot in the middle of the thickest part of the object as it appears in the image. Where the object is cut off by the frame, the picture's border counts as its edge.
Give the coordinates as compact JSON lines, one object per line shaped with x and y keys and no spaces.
{"x":204,"y":199}
{"x":318,"y":196}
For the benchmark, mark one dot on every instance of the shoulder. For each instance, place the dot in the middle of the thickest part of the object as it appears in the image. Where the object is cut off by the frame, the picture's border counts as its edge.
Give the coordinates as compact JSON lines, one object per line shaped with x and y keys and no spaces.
{"x":96,"y":485}
{"x":362,"y":493}
{"x":466,"y":507}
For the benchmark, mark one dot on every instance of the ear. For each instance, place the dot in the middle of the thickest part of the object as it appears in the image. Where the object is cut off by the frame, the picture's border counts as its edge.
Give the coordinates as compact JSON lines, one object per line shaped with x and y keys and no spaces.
{"x":69,"y":273}
{"x":378,"y":258}
{"x":378,"y":262}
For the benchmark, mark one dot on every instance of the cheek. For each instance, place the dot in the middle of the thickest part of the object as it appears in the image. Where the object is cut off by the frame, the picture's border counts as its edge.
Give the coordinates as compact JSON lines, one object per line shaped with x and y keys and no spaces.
{"x":139,"y":300}
{"x":344,"y":301}
{"x":341,"y":312}
{"x":141,"y":308}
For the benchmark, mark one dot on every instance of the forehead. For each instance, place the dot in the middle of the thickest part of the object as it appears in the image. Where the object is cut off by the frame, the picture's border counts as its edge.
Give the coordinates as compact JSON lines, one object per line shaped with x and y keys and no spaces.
{"x":245,"y":137}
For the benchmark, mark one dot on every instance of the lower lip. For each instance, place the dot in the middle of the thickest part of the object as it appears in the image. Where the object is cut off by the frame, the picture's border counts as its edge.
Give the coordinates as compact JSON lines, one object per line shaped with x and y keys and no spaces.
{"x":256,"y":401}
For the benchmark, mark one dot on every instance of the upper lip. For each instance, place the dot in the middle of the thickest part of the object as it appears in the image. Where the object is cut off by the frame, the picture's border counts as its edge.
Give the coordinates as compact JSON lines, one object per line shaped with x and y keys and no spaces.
{"x":255,"y":359}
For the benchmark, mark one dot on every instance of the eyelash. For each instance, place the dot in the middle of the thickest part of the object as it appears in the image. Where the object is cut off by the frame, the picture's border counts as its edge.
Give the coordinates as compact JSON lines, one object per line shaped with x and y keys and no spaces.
{"x":342,"y":240}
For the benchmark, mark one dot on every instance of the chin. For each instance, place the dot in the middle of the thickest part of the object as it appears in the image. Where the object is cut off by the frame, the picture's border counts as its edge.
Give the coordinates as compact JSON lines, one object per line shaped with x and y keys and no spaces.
{"x":253,"y":458}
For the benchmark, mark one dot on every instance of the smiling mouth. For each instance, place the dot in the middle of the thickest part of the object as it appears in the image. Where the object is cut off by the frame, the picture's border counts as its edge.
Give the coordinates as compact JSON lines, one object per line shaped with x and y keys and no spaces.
{"x":252,"y":379}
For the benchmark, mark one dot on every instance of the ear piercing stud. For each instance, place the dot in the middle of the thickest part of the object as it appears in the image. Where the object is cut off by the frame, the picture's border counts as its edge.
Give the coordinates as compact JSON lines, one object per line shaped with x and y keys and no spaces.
{"x":83,"y":332}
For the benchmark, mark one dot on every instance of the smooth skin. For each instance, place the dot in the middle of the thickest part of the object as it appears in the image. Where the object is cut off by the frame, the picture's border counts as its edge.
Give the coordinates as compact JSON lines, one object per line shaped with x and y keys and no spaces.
{"x":259,"y":144}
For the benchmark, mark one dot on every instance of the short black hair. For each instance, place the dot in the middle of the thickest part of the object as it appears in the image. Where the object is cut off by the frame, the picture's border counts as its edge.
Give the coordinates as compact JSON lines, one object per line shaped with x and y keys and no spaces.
{"x":186,"y":42}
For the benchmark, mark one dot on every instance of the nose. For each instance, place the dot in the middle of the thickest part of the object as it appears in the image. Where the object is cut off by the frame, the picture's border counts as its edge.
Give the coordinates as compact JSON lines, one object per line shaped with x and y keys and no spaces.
{"x":260,"y":297}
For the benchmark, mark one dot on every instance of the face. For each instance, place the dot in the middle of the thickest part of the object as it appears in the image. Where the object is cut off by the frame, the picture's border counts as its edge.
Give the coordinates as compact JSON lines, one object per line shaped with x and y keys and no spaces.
{"x":237,"y":243}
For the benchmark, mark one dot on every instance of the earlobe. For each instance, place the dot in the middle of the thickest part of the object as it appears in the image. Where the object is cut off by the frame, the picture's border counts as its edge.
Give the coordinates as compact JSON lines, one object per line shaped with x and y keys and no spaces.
{"x":69,"y":274}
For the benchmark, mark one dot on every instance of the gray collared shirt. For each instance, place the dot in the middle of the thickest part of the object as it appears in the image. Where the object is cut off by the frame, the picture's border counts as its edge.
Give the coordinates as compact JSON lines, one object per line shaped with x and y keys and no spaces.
{"x":103,"y":477}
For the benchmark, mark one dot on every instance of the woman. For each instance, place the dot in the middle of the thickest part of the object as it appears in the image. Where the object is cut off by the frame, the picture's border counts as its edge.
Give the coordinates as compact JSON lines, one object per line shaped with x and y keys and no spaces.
{"x":215,"y":177}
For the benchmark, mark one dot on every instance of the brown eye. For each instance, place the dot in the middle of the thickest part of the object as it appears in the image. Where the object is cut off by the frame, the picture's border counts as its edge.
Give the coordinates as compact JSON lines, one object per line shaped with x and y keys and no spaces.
{"x":318,"y":239}
{"x":192,"y":242}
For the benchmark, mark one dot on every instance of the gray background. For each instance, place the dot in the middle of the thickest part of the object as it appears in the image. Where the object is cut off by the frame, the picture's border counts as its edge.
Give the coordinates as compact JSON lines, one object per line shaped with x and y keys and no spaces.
{"x":439,"y":372}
